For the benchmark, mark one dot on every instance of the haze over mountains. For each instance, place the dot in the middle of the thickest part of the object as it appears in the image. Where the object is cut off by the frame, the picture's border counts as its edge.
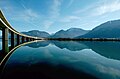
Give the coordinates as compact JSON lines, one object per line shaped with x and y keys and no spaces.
{"x":110,"y":29}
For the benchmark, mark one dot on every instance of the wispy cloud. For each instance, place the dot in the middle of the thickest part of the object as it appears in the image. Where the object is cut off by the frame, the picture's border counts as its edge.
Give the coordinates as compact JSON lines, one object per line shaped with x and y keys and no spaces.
{"x":28,"y":15}
{"x":14,"y":14}
{"x":100,"y":8}
{"x":107,"y":7}
{"x":47,"y":23}
{"x":69,"y":18}
{"x":83,"y":10}
{"x":6,"y":6}
{"x":55,"y":8}
{"x":25,"y":14}
{"x":54,"y":13}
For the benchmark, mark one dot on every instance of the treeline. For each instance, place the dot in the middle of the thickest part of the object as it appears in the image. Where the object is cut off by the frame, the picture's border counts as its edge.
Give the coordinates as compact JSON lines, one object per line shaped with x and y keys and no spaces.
{"x":84,"y":39}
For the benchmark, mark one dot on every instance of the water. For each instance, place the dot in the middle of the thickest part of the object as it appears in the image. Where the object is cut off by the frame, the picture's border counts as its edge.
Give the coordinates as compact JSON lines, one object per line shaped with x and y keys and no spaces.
{"x":64,"y":60}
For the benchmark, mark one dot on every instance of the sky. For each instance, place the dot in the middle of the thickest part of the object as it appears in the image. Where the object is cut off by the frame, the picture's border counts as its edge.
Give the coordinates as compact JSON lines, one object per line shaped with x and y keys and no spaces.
{"x":54,"y":15}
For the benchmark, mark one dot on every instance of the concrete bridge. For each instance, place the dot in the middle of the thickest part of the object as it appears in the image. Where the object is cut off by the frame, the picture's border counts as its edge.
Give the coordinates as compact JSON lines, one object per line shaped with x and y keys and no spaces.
{"x":15,"y":36}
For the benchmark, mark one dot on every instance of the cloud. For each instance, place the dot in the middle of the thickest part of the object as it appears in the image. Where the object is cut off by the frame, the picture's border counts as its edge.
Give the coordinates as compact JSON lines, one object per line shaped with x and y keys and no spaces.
{"x":6,"y":6}
{"x":54,"y":13}
{"x":83,"y":10}
{"x":17,"y":14}
{"x":28,"y":15}
{"x":107,"y":8}
{"x":55,"y":8}
{"x":69,"y":18}
{"x":100,"y":8}
{"x":47,"y":24}
{"x":87,"y":9}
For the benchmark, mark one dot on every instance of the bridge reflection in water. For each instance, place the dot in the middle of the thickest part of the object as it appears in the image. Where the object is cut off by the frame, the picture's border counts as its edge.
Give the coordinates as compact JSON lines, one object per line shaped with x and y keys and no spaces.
{"x":9,"y":32}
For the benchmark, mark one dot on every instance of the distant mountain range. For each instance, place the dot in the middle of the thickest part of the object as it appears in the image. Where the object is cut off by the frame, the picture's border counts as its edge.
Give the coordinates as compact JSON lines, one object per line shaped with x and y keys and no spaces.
{"x":110,"y":29}
{"x":70,"y":33}
{"x":37,"y":33}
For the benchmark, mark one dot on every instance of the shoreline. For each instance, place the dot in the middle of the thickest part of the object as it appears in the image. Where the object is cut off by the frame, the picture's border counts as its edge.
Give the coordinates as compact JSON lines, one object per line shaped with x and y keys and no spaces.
{"x":84,"y":39}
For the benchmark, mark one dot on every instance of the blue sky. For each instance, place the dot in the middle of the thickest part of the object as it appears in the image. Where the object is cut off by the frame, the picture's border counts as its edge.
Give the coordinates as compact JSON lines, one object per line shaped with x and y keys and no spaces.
{"x":53,"y":15}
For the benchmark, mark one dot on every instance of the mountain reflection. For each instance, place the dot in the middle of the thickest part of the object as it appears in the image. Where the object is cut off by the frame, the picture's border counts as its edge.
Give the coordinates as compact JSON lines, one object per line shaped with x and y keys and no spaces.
{"x":70,"y":45}
{"x":39,"y":44}
{"x":107,"y":49}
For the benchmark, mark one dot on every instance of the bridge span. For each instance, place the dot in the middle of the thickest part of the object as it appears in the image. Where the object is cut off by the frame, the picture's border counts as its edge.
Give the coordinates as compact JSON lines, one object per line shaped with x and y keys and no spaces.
{"x":15,"y":36}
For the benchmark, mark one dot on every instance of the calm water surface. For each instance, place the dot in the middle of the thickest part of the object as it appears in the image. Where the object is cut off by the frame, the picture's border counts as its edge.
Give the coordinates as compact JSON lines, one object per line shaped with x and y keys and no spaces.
{"x":64,"y":60}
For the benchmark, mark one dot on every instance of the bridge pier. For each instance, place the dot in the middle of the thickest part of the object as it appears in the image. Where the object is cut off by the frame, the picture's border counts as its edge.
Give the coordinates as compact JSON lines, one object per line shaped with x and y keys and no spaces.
{"x":12,"y":39}
{"x":5,"y":47}
{"x":23,"y":39}
{"x":31,"y":39}
{"x":18,"y":39}
{"x":27,"y":39}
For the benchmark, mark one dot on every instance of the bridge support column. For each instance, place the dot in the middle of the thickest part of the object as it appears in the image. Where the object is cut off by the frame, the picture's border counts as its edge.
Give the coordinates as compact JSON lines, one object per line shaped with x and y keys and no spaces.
{"x":27,"y":39}
{"x":23,"y":39}
{"x":31,"y":39}
{"x":12,"y":39}
{"x":18,"y":39}
{"x":5,"y":47}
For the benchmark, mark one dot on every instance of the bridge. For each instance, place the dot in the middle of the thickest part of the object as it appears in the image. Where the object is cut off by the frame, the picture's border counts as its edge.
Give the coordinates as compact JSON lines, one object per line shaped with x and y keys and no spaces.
{"x":9,"y":34}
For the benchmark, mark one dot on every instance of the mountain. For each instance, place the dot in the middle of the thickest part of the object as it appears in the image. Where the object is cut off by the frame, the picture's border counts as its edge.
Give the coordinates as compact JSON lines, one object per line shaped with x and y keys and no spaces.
{"x":70,"y":33}
{"x":37,"y":33}
{"x":110,"y":29}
